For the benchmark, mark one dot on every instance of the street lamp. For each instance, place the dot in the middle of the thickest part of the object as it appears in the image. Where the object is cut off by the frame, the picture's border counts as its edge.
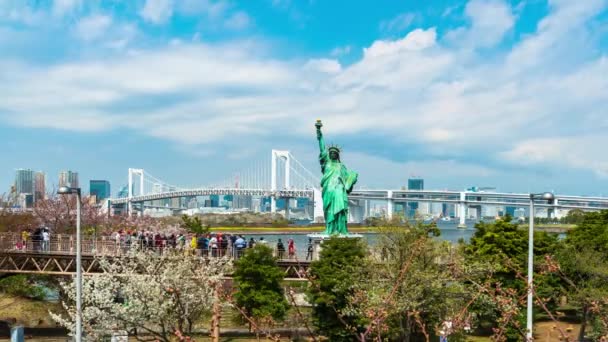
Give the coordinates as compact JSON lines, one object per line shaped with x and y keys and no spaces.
{"x":549,"y":197}
{"x":64,"y":190}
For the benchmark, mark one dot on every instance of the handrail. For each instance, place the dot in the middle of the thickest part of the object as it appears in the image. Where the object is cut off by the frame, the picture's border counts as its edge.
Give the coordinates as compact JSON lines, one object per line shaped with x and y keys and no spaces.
{"x":108,"y":246}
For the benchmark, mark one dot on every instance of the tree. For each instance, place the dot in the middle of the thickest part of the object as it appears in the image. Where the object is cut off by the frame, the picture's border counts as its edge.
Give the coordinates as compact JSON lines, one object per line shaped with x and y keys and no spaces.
{"x":414,"y":289}
{"x":160,"y":296}
{"x":574,"y":216}
{"x":258,"y":286}
{"x":503,"y":247}
{"x":21,"y":285}
{"x":194,"y":225}
{"x":583,"y":264}
{"x":341,"y":266}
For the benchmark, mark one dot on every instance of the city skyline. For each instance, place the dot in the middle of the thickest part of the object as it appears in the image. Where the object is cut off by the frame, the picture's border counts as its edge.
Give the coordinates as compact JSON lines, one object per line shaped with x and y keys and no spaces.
{"x":482,"y":93}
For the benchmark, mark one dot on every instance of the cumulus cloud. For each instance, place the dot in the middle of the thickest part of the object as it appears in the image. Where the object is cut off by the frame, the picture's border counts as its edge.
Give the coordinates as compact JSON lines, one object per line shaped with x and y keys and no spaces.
{"x":157,"y":11}
{"x":329,"y":66}
{"x":490,"y":20}
{"x":238,"y":21}
{"x":62,"y":7}
{"x":579,"y":152}
{"x":421,"y":90}
{"x":340,"y":51}
{"x":92,"y":27}
{"x":416,"y":40}
{"x":399,"y":23}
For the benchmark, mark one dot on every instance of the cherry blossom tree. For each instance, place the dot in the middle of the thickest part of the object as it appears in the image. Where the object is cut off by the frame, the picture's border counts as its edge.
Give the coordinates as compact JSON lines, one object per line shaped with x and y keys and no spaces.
{"x":154,"y":297}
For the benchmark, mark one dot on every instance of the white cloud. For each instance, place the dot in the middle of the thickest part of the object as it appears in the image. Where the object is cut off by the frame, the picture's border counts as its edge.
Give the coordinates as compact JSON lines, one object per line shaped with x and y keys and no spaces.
{"x":490,"y":21}
{"x":579,"y":152}
{"x":416,"y":40}
{"x":211,"y":8}
{"x":92,"y":27}
{"x":238,"y":21}
{"x":62,"y":7}
{"x":328,"y":66}
{"x":399,"y":23}
{"x":157,"y":11}
{"x":446,"y":100}
{"x":340,"y":51}
{"x":13,"y":11}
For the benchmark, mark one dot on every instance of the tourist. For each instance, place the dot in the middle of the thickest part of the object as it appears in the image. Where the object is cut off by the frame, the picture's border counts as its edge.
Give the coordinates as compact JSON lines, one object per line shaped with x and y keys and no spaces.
{"x":25,"y":235}
{"x":309,"y":249}
{"x":251,"y":243}
{"x":280,"y":249}
{"x":180,"y":241}
{"x":291,"y":249}
{"x":194,"y":243}
{"x":46,"y":240}
{"x":117,"y":241}
{"x":213,"y":245}
{"x":203,"y":245}
{"x":223,"y":245}
{"x":240,"y":244}
{"x":232,"y":246}
{"x":172,"y":241}
{"x":262,"y":241}
{"x":37,"y":239}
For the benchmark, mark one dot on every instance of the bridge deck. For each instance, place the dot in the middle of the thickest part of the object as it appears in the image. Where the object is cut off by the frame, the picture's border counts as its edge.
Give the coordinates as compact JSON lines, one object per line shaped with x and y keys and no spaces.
{"x":58,"y":256}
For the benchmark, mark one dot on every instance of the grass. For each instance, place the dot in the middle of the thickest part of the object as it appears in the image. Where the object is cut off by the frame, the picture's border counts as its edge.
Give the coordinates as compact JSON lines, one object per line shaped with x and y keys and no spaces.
{"x":28,"y":312}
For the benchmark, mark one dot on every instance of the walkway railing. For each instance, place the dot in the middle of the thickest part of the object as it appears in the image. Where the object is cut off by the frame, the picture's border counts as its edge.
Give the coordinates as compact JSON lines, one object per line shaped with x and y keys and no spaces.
{"x":108,"y":246}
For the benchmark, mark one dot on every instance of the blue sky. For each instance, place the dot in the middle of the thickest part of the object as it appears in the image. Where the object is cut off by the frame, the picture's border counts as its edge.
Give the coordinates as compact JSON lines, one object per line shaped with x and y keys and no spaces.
{"x":511,"y":94}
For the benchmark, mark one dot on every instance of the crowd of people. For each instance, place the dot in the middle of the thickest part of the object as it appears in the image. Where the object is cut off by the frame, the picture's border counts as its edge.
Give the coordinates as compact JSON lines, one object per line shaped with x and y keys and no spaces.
{"x":213,"y":244}
{"x":40,"y":239}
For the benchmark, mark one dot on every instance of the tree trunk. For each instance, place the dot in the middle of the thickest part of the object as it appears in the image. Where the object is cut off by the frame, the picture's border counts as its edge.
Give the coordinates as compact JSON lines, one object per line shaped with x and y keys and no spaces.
{"x":581,"y":335}
{"x":215,"y":319}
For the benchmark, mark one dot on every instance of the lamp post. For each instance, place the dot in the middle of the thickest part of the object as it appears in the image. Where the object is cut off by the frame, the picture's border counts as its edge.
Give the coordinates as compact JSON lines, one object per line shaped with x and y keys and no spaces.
{"x":548,"y":197}
{"x":64,"y":190}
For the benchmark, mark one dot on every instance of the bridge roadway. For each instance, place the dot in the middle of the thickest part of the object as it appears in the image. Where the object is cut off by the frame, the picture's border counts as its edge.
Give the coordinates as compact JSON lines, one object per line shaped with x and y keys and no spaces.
{"x":58,"y":257}
{"x":462,"y":199}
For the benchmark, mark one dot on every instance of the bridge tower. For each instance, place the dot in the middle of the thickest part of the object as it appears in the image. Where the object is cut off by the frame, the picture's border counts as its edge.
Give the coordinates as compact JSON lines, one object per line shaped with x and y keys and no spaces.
{"x":276,"y":155}
{"x":462,"y":210}
{"x":134,"y":172}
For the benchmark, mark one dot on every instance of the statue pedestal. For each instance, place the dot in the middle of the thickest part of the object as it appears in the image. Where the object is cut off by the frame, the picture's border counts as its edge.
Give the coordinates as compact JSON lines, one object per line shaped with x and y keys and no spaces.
{"x":317,"y":241}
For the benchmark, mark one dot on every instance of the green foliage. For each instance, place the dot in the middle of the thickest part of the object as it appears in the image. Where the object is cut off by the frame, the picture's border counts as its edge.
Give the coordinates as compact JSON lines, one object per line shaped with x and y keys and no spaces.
{"x":21,"y":285}
{"x":279,"y":222}
{"x":429,"y":286}
{"x":583,"y":263}
{"x":341,"y":266}
{"x":591,"y":232}
{"x":194,"y":225}
{"x":259,"y":289}
{"x":502,"y":240}
{"x":574,"y":216}
{"x":504,"y":247}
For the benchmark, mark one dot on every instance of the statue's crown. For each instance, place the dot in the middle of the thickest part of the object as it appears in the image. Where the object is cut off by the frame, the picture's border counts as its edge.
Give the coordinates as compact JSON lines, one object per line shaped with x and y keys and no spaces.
{"x":333,"y":147}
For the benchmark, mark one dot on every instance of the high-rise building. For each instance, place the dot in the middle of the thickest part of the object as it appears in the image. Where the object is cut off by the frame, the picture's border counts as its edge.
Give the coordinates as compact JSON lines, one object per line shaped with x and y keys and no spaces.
{"x":214,"y":201}
{"x":123,"y":192}
{"x":24,"y":181}
{"x":414,"y":184}
{"x":39,"y":186}
{"x":68,"y":178}
{"x":100,"y":189}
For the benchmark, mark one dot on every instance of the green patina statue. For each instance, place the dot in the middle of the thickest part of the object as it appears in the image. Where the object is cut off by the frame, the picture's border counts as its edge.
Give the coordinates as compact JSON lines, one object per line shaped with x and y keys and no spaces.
{"x":337,"y":182}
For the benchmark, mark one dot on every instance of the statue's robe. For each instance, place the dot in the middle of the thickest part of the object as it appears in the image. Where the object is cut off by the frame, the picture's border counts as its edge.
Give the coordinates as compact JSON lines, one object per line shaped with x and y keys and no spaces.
{"x":337,"y":182}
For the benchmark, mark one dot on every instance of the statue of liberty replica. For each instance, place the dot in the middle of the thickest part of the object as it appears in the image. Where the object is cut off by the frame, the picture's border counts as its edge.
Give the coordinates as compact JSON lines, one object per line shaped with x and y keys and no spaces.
{"x":337,"y":182}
